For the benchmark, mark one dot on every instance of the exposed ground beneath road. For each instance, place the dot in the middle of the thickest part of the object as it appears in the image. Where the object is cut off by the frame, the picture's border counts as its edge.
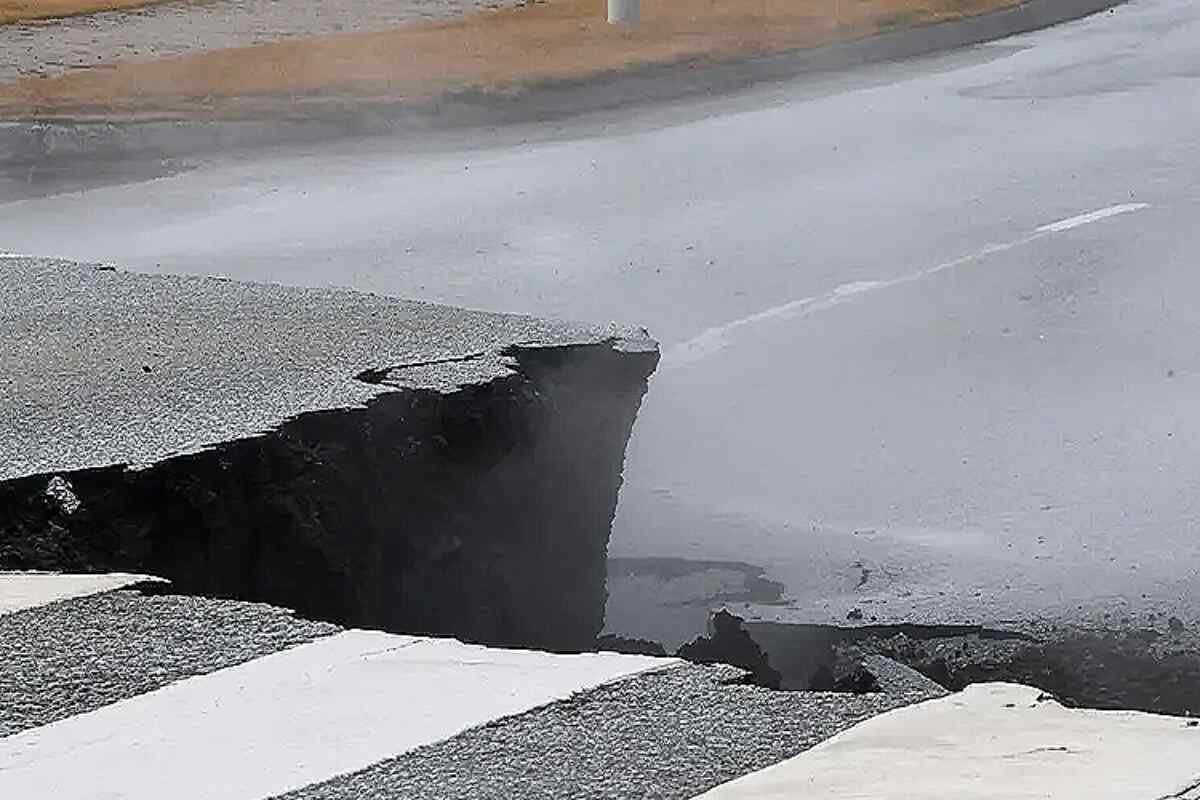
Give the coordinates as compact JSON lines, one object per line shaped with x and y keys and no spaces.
{"x":492,"y":50}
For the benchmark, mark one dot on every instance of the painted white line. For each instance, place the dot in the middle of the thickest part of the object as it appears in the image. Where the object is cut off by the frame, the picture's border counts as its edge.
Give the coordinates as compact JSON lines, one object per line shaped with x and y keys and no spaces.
{"x":22,"y":590}
{"x":292,"y":718}
{"x":1093,"y":216}
{"x":11,"y":256}
{"x":991,"y":740}
{"x":718,"y":337}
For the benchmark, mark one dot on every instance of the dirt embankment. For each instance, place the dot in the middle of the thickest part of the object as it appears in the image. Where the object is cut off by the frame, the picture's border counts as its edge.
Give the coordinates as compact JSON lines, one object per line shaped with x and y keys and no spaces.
{"x":489,"y":50}
{"x":28,"y":10}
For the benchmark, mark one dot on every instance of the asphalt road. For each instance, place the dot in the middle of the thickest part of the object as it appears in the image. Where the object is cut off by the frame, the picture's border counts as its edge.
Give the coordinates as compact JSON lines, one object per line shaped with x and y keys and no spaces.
{"x":107,"y":367}
{"x":907,"y":368}
{"x":140,"y":686}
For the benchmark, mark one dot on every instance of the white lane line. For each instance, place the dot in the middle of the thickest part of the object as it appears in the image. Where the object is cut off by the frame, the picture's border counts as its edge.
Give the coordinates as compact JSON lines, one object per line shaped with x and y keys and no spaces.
{"x":1093,"y":216}
{"x":22,"y":590}
{"x":989,"y":740}
{"x":718,"y":337}
{"x":293,"y":718}
{"x":11,"y":256}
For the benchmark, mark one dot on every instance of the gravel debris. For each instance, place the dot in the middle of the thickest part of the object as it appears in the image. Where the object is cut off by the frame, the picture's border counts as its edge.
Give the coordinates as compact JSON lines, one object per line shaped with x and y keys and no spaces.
{"x":667,"y":734}
{"x":77,"y":655}
{"x":895,"y":677}
{"x":1152,"y":669}
{"x":173,"y":29}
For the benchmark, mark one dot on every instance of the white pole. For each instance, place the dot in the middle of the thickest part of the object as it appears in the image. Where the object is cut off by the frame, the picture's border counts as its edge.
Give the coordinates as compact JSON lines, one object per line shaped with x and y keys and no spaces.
{"x":624,"y":12}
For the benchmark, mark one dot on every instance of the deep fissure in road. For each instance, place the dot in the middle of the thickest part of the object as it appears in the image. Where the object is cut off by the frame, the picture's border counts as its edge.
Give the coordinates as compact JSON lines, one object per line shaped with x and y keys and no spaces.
{"x":460,"y":513}
{"x":482,"y":513}
{"x":1156,"y":670}
{"x":1146,"y":670}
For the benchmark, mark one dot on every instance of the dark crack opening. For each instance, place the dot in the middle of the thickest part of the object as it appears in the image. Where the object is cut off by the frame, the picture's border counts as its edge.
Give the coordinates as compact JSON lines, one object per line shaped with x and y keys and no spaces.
{"x":1154,"y":670}
{"x":378,"y":376}
{"x":482,"y":513}
{"x":1146,"y":670}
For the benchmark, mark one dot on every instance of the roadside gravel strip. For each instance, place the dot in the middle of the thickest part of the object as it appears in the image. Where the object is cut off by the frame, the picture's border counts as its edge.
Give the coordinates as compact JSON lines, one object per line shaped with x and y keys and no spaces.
{"x":666,"y":734}
{"x":78,"y":655}
{"x":49,"y":47}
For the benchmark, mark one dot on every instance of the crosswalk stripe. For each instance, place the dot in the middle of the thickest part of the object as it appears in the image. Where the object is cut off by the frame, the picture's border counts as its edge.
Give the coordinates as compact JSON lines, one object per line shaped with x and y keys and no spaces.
{"x":991,"y":740}
{"x":293,"y":718}
{"x":24,"y":590}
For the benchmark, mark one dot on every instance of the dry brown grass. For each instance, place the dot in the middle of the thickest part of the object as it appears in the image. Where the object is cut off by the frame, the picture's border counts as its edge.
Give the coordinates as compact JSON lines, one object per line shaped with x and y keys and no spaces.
{"x":490,"y":50}
{"x":26,"y":10}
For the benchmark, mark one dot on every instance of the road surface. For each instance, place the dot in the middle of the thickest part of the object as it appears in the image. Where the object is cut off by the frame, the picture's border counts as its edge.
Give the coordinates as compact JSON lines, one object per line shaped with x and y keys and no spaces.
{"x":154,"y":689}
{"x":932,"y":344}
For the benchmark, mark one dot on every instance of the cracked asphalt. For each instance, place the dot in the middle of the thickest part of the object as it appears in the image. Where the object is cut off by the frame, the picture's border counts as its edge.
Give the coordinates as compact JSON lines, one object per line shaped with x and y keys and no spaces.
{"x":666,"y":733}
{"x":929,"y":322}
{"x":108,"y":367}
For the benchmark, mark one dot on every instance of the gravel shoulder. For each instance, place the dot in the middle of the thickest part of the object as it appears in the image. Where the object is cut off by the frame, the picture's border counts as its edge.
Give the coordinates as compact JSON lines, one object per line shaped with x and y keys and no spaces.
{"x":183,"y":27}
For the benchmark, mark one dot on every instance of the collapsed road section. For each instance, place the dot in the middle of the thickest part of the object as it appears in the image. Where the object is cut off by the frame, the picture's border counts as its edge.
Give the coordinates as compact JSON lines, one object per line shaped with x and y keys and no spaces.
{"x":108,"y":686}
{"x":362,"y":459}
{"x":1145,"y":669}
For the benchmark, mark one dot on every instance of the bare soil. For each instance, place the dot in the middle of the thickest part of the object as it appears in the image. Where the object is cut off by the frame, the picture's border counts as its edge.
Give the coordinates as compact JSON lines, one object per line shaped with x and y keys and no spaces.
{"x":26,"y":10}
{"x":489,"y":50}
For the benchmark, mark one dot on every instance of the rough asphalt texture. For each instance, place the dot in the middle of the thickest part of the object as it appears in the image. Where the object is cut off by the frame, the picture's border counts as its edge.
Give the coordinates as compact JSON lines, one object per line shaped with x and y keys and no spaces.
{"x":105,"y":367}
{"x":177,"y":28}
{"x":75,"y":656}
{"x":669,"y":734}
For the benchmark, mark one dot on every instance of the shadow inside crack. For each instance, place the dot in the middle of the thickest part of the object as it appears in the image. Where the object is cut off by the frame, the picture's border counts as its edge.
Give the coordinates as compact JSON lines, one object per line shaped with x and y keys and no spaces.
{"x":1149,"y":670}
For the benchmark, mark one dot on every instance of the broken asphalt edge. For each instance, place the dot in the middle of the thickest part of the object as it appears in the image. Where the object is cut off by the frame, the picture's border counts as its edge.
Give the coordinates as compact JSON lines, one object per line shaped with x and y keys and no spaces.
{"x":32,"y":142}
{"x":444,"y":496}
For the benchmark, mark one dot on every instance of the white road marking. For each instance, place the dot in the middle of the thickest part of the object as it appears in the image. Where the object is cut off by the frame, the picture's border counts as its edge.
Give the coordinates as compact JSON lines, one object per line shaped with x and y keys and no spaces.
{"x":718,"y":337}
{"x":22,"y":590}
{"x":990,"y":740}
{"x":293,"y":718}
{"x":11,"y":256}
{"x":1094,"y":216}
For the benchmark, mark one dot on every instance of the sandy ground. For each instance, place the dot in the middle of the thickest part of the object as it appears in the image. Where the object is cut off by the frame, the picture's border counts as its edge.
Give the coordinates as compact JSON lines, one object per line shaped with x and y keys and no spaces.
{"x":25,"y":10}
{"x":185,"y":27}
{"x":491,"y":50}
